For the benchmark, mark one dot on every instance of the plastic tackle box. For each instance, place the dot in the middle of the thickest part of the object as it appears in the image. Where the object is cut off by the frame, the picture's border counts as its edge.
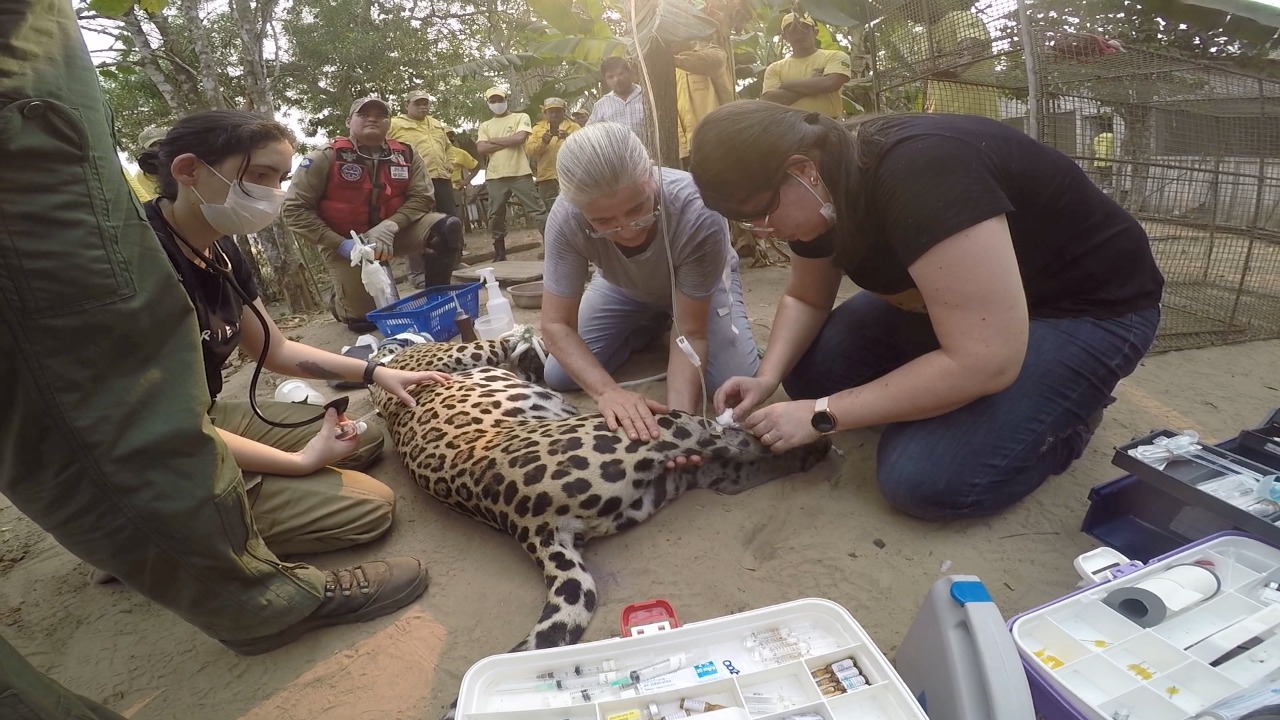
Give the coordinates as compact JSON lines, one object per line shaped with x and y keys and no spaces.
{"x":1088,"y":661}
{"x":716,"y":666}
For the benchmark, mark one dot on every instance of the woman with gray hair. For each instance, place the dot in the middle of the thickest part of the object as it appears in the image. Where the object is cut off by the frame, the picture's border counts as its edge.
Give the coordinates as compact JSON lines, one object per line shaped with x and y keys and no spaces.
{"x":613,"y":215}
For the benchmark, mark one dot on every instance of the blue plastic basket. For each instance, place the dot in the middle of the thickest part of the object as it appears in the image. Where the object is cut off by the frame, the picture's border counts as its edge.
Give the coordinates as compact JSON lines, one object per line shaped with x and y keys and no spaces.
{"x":430,"y":310}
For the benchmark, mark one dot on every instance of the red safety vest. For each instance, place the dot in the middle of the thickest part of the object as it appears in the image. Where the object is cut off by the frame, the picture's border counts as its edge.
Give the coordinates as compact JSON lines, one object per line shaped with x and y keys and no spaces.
{"x":353,"y":199}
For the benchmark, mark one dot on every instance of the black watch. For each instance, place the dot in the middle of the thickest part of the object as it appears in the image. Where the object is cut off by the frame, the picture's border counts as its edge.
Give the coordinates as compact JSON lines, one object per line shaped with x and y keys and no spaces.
{"x":369,"y":367}
{"x":823,"y":420}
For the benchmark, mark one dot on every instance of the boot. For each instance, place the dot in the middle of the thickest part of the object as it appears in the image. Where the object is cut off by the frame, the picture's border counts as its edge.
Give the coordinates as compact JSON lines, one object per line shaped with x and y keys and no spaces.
{"x":351,"y":595}
{"x":443,"y":252}
{"x":499,"y":249}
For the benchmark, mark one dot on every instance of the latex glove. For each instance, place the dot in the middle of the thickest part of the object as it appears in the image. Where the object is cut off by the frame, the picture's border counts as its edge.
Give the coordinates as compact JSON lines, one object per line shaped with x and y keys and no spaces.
{"x":345,"y":247}
{"x":358,"y":253}
{"x":383,"y":237}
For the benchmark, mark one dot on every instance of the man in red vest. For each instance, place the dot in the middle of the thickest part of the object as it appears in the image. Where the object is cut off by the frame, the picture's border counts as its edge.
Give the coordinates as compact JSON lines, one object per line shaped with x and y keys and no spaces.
{"x":380,"y":189}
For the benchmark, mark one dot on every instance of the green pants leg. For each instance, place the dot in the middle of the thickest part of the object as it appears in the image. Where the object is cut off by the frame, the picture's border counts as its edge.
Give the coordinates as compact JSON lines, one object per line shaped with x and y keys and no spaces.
{"x":525,"y":192}
{"x":27,"y":694}
{"x":548,"y":190}
{"x":104,"y":440}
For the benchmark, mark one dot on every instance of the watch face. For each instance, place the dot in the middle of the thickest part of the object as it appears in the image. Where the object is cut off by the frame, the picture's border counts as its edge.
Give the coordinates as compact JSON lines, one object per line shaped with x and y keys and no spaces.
{"x":824,"y":421}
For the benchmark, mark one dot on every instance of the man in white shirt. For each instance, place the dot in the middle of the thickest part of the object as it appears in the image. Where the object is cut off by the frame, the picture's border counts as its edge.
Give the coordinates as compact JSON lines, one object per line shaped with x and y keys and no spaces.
{"x":625,"y":104}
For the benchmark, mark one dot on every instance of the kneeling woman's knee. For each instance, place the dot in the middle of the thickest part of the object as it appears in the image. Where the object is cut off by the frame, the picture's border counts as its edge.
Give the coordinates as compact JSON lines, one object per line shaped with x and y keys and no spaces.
{"x":556,"y":378}
{"x":802,"y":385}
{"x":927,"y":487}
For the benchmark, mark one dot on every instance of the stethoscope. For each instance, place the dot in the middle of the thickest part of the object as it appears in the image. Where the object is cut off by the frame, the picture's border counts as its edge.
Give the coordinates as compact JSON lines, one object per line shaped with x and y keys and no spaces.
{"x":226,"y":275}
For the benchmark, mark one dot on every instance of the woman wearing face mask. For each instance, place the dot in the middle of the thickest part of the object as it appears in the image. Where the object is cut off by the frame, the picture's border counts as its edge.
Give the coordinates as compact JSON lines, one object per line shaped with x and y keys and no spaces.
{"x":1004,"y":295}
{"x":219,"y":174}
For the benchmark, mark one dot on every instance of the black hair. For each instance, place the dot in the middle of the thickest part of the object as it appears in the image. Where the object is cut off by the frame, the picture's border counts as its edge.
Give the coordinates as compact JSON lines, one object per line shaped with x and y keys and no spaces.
{"x":212,"y":136}
{"x":729,"y":177}
{"x":614,"y":62}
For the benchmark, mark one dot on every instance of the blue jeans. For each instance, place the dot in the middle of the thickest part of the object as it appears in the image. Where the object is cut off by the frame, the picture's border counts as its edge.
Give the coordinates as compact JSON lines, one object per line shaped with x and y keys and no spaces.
{"x":995,"y":451}
{"x":614,"y":325}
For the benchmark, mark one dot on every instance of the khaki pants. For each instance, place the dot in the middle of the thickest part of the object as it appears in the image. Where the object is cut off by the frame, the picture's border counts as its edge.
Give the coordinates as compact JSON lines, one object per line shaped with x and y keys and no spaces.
{"x":548,"y":190}
{"x":351,"y":302}
{"x":333,"y":508}
{"x":501,"y":190}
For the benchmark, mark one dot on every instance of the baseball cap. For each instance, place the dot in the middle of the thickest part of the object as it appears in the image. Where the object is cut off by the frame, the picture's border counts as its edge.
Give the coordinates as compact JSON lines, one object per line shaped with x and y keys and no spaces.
{"x":357,"y":105}
{"x":151,"y":135}
{"x":495,"y":91}
{"x":790,"y":18}
{"x":554,"y":102}
{"x":416,"y":94}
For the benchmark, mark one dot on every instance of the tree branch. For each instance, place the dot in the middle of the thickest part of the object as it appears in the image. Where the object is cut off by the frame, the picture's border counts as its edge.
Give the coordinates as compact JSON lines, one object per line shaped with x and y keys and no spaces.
{"x":150,"y":65}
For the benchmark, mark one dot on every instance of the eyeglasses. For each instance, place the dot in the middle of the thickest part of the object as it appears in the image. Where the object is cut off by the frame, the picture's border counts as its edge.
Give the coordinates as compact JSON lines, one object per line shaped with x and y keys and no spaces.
{"x":640,"y":224}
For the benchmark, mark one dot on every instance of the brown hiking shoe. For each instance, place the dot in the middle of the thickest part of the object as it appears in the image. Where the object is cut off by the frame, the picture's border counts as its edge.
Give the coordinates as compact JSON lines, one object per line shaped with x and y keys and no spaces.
{"x":351,"y":595}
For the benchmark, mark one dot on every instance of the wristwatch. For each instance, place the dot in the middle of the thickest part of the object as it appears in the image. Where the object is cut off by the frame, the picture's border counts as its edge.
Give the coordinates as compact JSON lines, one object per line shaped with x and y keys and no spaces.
{"x":823,"y":420}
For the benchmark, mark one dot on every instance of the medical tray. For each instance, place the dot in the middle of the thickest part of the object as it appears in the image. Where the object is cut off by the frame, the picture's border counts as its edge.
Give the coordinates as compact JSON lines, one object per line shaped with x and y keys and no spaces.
{"x":715,"y":666}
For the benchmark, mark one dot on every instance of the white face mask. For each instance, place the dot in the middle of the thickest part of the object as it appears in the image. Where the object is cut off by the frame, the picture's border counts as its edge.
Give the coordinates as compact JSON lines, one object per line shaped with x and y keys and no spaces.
{"x":827,"y":210}
{"x":498,"y":108}
{"x":246,"y":210}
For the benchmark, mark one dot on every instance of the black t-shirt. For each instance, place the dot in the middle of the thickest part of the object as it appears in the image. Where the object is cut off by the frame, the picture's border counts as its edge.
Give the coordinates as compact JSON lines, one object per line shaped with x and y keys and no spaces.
{"x":1079,"y":253}
{"x":218,"y":306}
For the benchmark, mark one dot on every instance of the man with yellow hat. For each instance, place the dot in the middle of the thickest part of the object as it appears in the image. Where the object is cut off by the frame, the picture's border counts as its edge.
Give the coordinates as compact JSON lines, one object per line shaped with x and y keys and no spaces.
{"x":543,"y":146}
{"x":501,"y":139}
{"x":144,"y":185}
{"x":811,"y":78}
{"x":428,"y":137}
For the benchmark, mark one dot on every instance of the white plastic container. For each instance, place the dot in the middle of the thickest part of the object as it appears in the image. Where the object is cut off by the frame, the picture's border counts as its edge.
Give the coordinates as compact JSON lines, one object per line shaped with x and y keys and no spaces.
{"x":1095,"y":663}
{"x":716,"y":667}
{"x":294,"y":390}
{"x":497,"y":306}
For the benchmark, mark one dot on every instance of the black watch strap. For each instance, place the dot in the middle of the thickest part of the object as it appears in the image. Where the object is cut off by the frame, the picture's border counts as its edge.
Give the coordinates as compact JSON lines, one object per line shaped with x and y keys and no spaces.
{"x":369,"y":367}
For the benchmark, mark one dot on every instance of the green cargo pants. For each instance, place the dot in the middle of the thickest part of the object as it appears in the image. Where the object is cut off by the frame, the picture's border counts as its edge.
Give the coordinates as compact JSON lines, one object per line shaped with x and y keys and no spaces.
{"x":104,"y":439}
{"x":501,"y":190}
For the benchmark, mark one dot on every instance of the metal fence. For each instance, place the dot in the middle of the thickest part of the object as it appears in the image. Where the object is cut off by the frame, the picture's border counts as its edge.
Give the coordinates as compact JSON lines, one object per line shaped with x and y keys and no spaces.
{"x":1192,"y":149}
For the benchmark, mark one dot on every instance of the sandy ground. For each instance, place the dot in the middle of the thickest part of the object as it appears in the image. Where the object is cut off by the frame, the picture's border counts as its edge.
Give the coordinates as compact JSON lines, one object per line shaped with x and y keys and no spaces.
{"x":823,"y":534}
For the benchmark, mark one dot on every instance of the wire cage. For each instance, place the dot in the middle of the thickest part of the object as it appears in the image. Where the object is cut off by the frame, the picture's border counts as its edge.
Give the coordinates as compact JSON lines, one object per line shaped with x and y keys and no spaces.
{"x":1190,"y":148}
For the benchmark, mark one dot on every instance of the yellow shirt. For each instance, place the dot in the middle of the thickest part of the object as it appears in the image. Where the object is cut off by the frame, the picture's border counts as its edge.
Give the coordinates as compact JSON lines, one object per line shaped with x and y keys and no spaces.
{"x":509,"y":161}
{"x":958,"y":33}
{"x":707,"y":85}
{"x":546,"y":154}
{"x":427,"y":138}
{"x":459,"y":159}
{"x":820,"y":63}
{"x":1104,"y":149}
{"x":144,"y":186}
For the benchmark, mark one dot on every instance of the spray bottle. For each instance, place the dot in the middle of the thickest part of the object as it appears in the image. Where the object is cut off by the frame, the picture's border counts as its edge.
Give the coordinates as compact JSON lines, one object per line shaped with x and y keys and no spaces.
{"x":500,"y":319}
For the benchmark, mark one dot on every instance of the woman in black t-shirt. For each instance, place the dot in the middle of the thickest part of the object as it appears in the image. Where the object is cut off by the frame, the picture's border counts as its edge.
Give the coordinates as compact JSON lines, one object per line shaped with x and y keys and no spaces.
{"x":219,"y":174}
{"x":1004,"y":295}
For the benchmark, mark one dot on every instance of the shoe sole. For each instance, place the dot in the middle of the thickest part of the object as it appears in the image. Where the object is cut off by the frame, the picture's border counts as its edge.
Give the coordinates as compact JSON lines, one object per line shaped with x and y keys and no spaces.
{"x":249,"y":648}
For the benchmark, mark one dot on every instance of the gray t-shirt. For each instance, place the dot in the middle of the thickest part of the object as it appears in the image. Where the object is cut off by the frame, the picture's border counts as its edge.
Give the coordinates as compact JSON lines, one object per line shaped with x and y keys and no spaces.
{"x":699,"y":243}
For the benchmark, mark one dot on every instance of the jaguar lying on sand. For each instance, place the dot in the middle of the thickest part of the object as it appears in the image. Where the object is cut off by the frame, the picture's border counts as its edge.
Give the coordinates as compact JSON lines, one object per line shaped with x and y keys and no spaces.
{"x":519,"y":457}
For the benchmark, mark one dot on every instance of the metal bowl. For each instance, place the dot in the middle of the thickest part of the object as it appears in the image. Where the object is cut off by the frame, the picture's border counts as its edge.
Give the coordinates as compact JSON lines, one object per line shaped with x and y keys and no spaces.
{"x":527,"y":295}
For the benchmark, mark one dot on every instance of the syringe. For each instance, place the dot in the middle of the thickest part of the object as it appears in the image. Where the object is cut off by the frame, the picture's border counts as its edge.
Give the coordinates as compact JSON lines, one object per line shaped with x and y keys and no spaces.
{"x":351,"y":428}
{"x":567,"y":683}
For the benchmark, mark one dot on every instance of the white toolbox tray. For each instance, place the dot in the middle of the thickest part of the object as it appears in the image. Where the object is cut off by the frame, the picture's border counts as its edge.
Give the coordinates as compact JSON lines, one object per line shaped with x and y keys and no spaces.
{"x":1109,"y":664}
{"x":718,"y":668}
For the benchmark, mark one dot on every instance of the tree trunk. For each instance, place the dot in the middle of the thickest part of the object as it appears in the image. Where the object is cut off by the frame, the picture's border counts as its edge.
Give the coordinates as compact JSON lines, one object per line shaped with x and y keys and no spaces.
{"x":150,"y":65}
{"x":204,"y":54}
{"x":281,"y":253}
{"x":662,"y":75}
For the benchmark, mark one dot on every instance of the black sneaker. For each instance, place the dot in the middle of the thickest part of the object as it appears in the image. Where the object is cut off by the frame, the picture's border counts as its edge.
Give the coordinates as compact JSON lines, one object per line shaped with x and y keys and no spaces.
{"x":351,"y":595}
